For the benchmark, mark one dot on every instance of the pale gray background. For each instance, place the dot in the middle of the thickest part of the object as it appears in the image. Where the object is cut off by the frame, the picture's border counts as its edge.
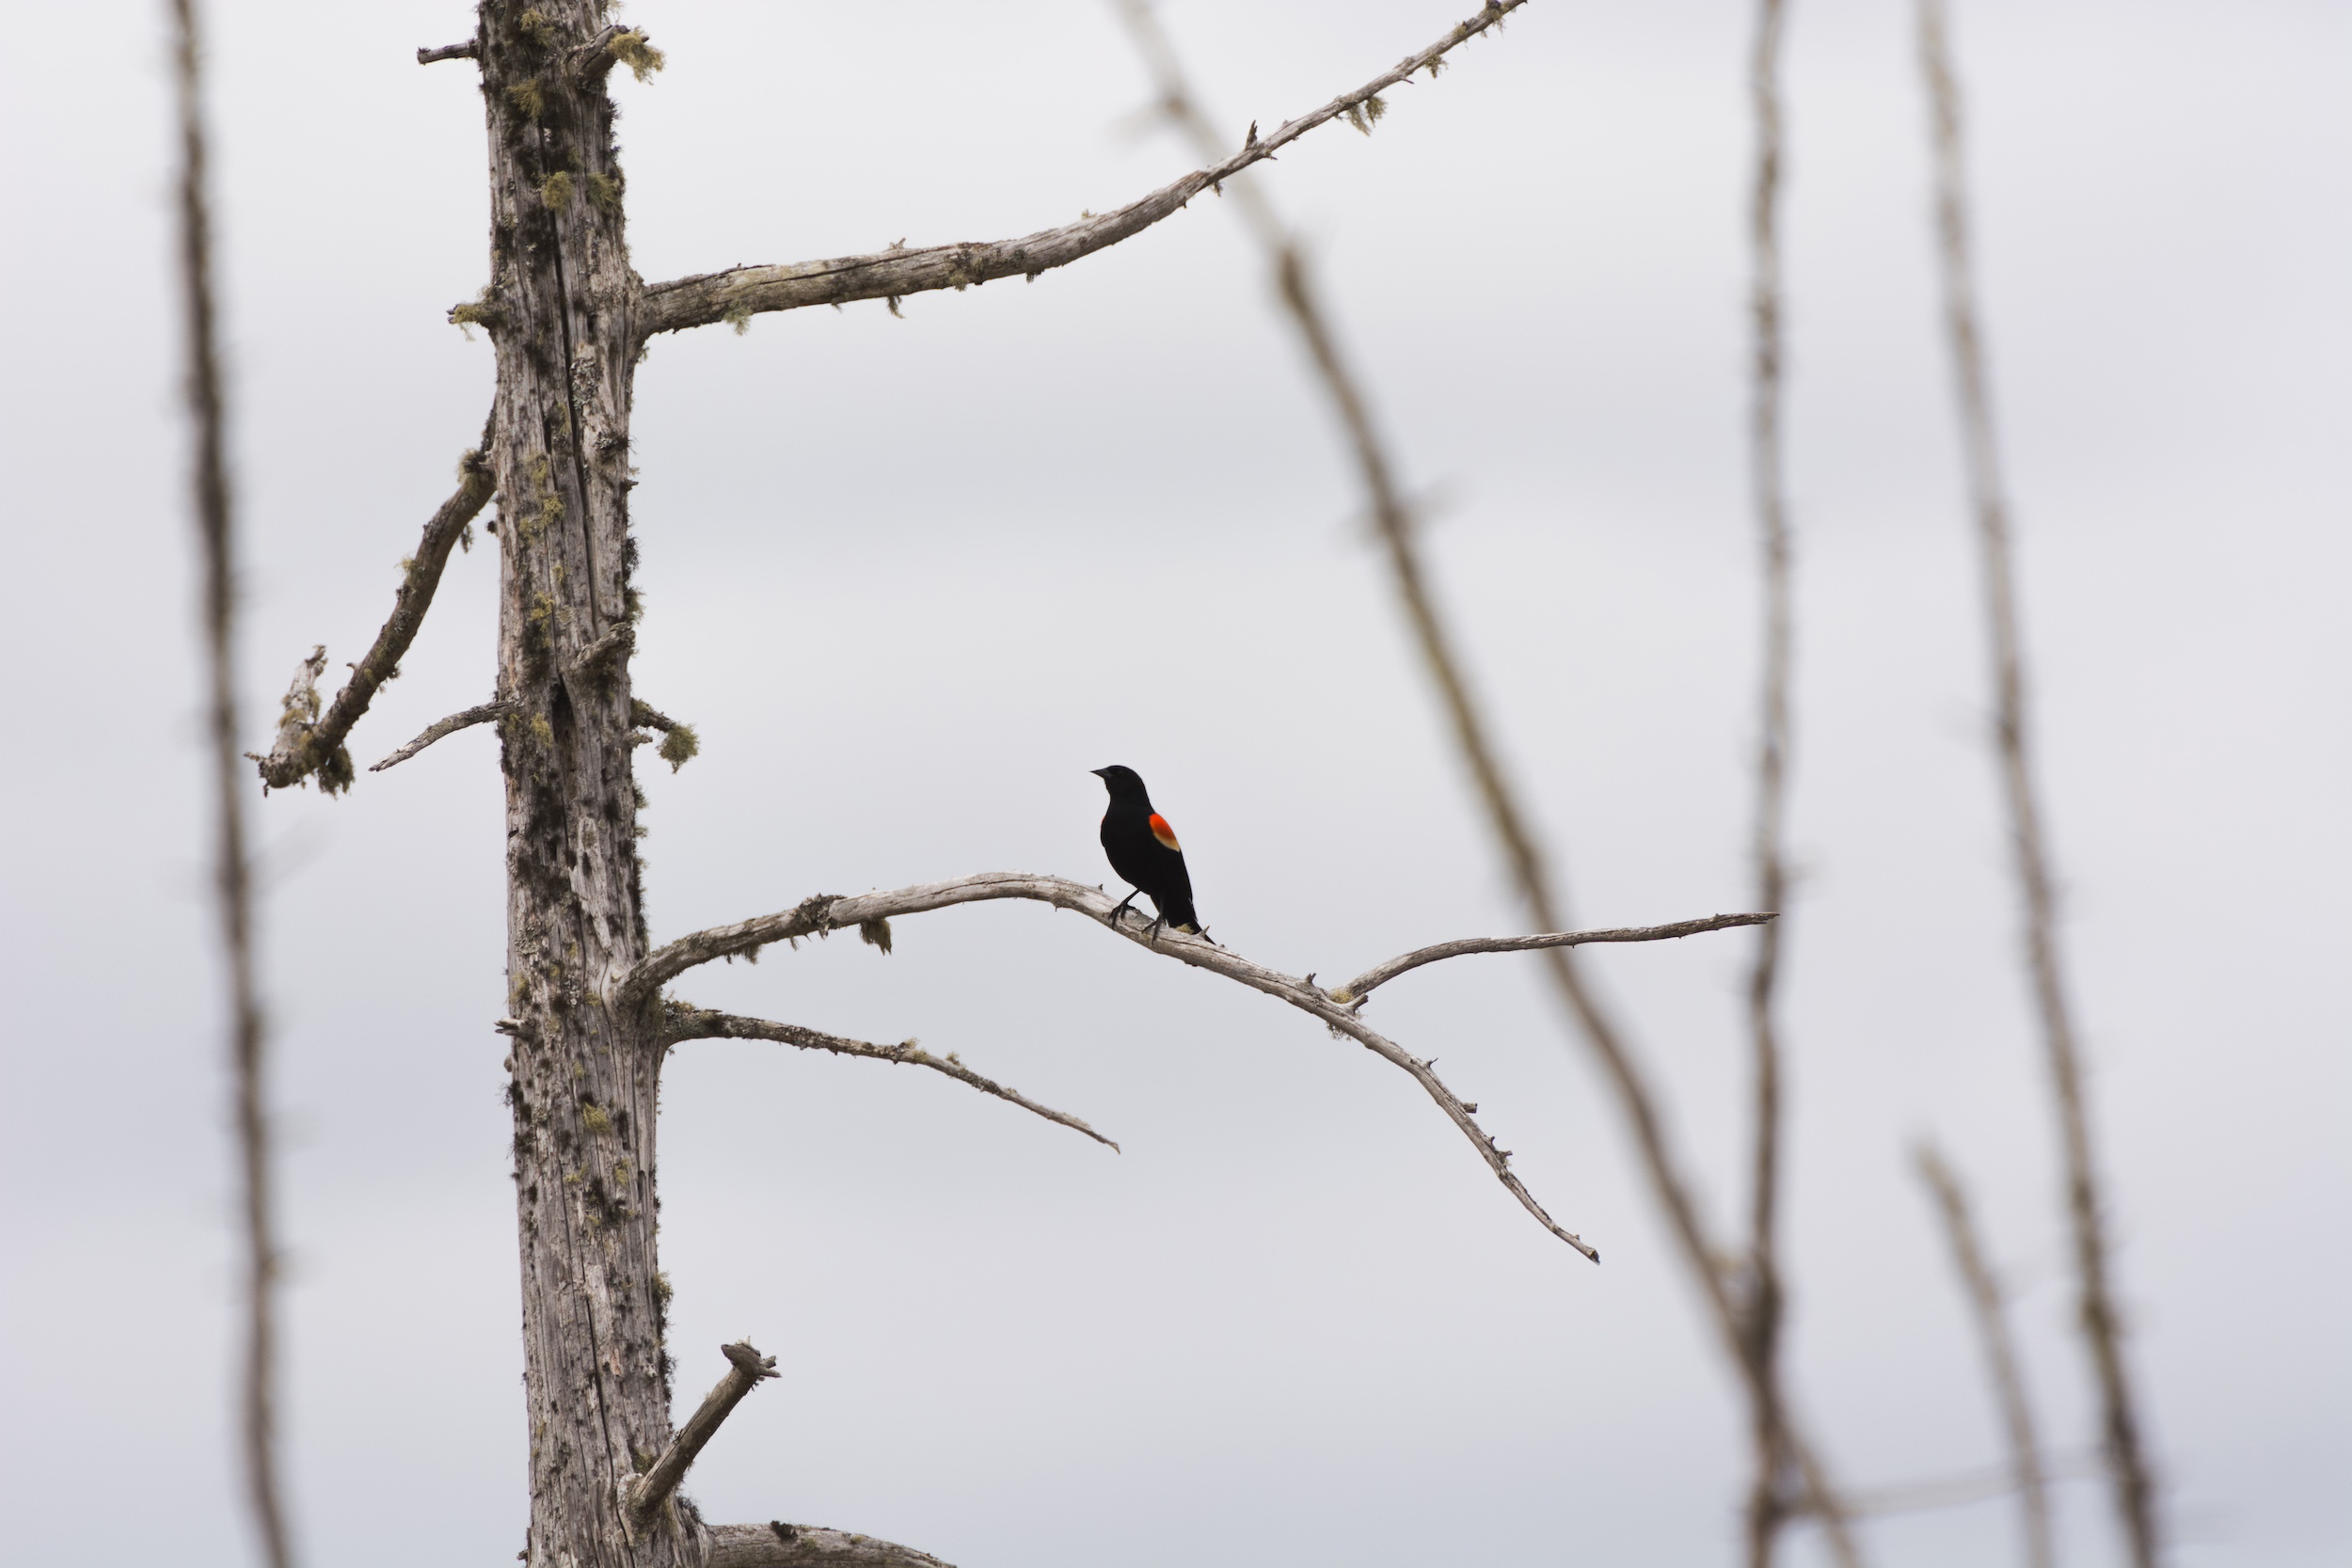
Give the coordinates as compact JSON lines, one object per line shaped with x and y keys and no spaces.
{"x":913,"y":578}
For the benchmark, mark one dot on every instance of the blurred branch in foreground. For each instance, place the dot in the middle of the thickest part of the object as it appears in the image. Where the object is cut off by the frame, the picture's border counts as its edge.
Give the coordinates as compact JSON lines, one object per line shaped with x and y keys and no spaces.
{"x":2103,"y":1332}
{"x":233,"y":876}
{"x":1733,"y":1295}
{"x":2000,"y":1350}
{"x":1769,"y":1491}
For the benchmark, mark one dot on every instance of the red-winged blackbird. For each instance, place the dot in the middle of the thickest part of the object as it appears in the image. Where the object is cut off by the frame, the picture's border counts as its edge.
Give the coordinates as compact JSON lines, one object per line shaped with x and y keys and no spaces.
{"x":1143,"y":850}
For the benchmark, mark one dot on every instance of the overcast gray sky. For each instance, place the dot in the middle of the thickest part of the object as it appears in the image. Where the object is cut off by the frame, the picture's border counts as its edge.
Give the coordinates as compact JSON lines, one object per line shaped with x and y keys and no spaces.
{"x":913,"y":578}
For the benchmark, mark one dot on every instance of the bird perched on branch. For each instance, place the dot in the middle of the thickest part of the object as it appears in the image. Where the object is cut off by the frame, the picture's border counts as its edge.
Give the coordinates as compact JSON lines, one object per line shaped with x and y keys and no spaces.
{"x":1144,"y":852}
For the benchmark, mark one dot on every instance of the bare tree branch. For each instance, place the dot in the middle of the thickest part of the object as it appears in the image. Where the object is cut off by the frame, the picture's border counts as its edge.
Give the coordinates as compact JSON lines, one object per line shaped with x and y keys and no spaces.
{"x":232,"y":879}
{"x":595,"y":59}
{"x":448,"y":726}
{"x":679,"y":743}
{"x":618,"y":642}
{"x":741,"y":293}
{"x":466,"y":50}
{"x":746,"y":1370}
{"x":309,"y":743}
{"x":682,"y":1023}
{"x":615,"y":45}
{"x":777,"y":1545}
{"x":1983,"y":1290}
{"x":2132,"y":1482}
{"x":1394,"y":523}
{"x":1355,"y":992}
{"x":827,"y":912}
{"x":645,"y":713}
{"x":1768,"y":1489}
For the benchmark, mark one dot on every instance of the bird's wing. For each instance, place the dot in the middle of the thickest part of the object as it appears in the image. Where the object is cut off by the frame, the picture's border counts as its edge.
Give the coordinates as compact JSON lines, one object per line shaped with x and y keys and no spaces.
{"x":1165,"y":835}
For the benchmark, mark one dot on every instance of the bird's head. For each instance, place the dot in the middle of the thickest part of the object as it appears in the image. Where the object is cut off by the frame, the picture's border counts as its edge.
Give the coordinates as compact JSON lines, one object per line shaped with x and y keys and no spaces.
{"x":1119,"y":781}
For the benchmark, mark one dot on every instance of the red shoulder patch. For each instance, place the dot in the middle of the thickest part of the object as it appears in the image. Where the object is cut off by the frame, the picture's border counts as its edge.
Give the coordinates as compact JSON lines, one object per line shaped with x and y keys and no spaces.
{"x":1165,"y":835}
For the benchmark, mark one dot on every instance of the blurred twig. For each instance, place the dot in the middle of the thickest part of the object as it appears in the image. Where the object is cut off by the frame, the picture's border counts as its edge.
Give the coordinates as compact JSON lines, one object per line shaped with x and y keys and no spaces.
{"x":1769,"y":1493}
{"x":2025,"y":1473}
{"x":1394,"y":521}
{"x":232,"y":878}
{"x":2103,"y":1333}
{"x":1955,"y":1491}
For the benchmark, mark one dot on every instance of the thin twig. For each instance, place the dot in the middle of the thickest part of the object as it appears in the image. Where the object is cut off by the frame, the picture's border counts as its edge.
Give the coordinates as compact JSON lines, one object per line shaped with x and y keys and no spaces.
{"x":827,"y":912}
{"x":1954,"y":1491}
{"x":645,"y":714}
{"x":1983,"y":1290}
{"x":232,"y":875}
{"x":741,"y":293}
{"x":1394,"y":523}
{"x":1355,"y":990}
{"x":746,"y":1370}
{"x":618,"y":642}
{"x":1769,"y":1490}
{"x":310,"y":743}
{"x":679,"y":744}
{"x":466,"y":50}
{"x":2133,"y":1485}
{"x":682,"y":1023}
{"x":448,"y":726}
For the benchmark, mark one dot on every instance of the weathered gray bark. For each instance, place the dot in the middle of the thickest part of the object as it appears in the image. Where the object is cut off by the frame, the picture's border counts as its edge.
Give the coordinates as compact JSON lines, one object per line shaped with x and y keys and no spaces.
{"x":559,"y":308}
{"x":782,"y":1545}
{"x":746,"y":1370}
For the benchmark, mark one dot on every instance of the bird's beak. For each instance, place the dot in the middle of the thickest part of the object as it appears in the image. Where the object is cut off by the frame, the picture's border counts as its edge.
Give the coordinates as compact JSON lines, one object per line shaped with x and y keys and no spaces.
{"x":1098,"y":772}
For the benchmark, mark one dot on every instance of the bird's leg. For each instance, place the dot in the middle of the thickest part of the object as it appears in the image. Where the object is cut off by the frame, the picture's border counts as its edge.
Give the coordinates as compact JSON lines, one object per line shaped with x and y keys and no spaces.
{"x":1154,"y":934}
{"x":1122,"y":907}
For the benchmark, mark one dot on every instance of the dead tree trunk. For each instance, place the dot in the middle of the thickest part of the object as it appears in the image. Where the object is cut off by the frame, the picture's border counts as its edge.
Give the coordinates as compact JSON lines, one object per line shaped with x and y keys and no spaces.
{"x":560,"y":308}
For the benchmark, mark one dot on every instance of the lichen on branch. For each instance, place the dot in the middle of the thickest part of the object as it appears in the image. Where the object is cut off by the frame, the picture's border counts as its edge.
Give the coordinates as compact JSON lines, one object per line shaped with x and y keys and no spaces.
{"x":310,"y":737}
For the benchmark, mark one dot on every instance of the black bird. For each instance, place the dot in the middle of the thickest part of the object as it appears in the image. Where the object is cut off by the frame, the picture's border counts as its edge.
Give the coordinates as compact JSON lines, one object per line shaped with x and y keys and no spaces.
{"x":1143,"y":850}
